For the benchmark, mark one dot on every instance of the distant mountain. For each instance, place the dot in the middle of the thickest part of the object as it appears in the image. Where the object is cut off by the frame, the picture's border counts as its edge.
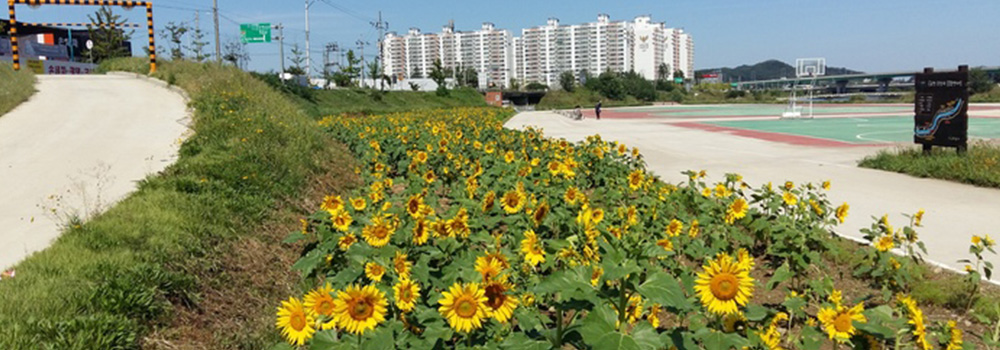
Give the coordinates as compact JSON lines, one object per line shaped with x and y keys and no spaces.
{"x":770,"y":69}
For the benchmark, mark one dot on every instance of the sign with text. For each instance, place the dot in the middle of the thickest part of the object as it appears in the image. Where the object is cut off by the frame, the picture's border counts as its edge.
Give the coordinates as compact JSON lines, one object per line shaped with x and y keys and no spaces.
{"x":941,"y":107}
{"x":251,"y":33}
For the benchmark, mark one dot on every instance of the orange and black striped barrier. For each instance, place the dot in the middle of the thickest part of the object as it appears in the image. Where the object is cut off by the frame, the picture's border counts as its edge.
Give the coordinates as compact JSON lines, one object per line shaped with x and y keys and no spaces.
{"x":79,"y":24}
{"x":121,"y":3}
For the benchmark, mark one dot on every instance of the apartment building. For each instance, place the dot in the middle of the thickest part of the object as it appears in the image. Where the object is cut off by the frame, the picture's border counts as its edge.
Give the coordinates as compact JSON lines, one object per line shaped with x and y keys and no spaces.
{"x":489,"y":51}
{"x":544,"y":52}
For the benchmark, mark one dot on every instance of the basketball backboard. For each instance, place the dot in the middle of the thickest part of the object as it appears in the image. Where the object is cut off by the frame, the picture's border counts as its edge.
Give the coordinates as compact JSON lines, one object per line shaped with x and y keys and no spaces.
{"x":810,"y":67}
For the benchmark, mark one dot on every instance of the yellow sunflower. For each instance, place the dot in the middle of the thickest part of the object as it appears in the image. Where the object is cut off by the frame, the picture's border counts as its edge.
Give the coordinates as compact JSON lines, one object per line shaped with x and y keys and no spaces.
{"x":429,"y":177}
{"x":488,"y":201}
{"x":955,"y":336}
{"x":842,"y":212}
{"x":421,"y":231}
{"x":666,"y":244}
{"x":654,"y":315}
{"x":571,"y":195}
{"x":488,"y":268}
{"x":674,"y":228}
{"x":332,"y":203}
{"x":826,"y":185}
{"x":374,"y":271}
{"x":635,"y":179}
{"x":378,"y":232}
{"x":499,"y":305}
{"x":341,"y":220}
{"x":694,"y":229}
{"x":532,"y":248}
{"x":407,"y":292}
{"x":295,"y":321}
{"x":401,"y":265}
{"x":884,"y":244}
{"x":512,"y":201}
{"x":320,"y":302}
{"x":721,"y":191}
{"x":414,"y":205}
{"x":736,"y":210}
{"x":359,"y":203}
{"x":633,"y":311}
{"x":838,"y":320}
{"x":789,"y":198}
{"x":359,"y":309}
{"x":458,"y":226}
{"x":464,"y":306}
{"x":539,"y":213}
{"x":724,"y":285}
{"x":595,"y":275}
{"x":508,"y":157}
{"x":345,"y":241}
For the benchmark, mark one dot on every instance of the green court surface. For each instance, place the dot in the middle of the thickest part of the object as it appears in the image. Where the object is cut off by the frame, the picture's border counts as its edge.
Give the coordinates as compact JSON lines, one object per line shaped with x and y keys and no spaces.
{"x":867,"y":130}
{"x":761,"y":110}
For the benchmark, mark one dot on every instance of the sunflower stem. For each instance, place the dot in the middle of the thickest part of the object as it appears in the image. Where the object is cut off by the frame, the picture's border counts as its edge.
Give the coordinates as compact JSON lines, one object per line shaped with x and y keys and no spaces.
{"x":621,"y":305}
{"x":559,"y":328}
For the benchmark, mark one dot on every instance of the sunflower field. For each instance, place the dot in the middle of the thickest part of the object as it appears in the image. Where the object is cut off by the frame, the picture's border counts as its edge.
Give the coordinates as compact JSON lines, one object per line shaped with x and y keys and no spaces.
{"x":470,"y":235}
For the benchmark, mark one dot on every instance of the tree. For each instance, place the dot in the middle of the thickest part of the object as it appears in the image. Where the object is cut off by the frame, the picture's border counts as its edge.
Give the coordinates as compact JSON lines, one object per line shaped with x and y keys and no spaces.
{"x":298,"y":61}
{"x":235,"y":52}
{"x":663,"y":72}
{"x":175,"y":35}
{"x":636,"y":85}
{"x":679,"y":74}
{"x":438,"y":76}
{"x":197,"y":46}
{"x":536,"y":86}
{"x":979,"y":81}
{"x":375,"y":74}
{"x":567,"y":81}
{"x":108,"y":39}
{"x":514,"y":84}
{"x":469,"y":77}
{"x":610,"y":85}
{"x":414,"y":86}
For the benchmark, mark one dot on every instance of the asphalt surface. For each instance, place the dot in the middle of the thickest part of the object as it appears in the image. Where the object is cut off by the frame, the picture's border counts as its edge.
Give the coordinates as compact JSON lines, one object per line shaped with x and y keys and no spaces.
{"x":954,"y":212}
{"x":76,"y":147}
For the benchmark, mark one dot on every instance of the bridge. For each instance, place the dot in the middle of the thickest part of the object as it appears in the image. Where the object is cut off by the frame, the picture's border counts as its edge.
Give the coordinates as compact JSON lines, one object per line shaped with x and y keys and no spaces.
{"x":845,"y":83}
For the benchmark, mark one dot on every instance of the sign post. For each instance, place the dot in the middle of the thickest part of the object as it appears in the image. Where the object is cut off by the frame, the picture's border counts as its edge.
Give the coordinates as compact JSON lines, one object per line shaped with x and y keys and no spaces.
{"x":251,"y":33}
{"x":941,"y":107}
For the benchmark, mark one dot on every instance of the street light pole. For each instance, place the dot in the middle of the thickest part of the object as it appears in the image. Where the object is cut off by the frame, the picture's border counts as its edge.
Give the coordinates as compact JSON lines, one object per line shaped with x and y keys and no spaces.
{"x":308,"y":61}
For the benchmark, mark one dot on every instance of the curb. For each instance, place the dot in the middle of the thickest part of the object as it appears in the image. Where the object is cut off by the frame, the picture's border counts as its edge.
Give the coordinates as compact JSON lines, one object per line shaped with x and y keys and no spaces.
{"x":154,"y":81}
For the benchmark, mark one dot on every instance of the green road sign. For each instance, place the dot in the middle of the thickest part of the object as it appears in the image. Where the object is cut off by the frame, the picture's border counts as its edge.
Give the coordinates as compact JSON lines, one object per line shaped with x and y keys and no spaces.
{"x":255,"y":33}
{"x":678,"y":80}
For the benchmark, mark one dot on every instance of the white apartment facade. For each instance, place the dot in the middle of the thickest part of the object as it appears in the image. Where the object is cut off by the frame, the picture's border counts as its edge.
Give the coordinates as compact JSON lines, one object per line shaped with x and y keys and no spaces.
{"x":544,"y":52}
{"x":489,"y":51}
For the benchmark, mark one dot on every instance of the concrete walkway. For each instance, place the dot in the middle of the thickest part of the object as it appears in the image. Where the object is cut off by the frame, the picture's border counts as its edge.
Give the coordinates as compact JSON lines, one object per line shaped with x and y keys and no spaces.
{"x":76,"y":147}
{"x":954,"y":212}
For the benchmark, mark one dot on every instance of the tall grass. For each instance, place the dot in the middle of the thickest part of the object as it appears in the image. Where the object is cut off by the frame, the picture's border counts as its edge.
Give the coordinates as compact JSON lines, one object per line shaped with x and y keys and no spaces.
{"x":15,"y":87}
{"x":368,"y":101}
{"x":105,"y":284}
{"x":979,"y":166}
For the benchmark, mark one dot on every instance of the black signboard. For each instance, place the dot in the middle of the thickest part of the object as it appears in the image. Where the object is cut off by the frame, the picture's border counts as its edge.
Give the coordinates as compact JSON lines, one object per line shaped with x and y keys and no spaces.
{"x":941,"y":106}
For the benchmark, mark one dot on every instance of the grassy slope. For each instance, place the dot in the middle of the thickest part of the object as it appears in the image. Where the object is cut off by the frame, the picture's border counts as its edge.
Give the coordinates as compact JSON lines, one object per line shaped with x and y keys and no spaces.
{"x":559,"y":99}
{"x":356,"y":101}
{"x":15,"y":87}
{"x":106,"y":283}
{"x":980,"y":166}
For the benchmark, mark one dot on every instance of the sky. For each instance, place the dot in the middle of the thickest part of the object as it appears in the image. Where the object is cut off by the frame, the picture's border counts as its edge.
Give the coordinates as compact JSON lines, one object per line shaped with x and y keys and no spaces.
{"x":865,"y":35}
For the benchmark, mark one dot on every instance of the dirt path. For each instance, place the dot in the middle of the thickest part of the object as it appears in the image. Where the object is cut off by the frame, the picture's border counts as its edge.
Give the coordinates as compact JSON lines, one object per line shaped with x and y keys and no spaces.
{"x":77,"y":146}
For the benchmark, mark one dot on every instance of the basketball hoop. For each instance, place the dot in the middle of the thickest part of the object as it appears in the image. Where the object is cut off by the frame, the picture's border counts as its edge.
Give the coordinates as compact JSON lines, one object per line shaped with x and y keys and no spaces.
{"x":804,"y":68}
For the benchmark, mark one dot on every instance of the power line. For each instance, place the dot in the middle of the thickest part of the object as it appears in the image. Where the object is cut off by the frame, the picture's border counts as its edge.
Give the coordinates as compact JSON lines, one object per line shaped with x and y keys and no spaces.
{"x":349,"y":12}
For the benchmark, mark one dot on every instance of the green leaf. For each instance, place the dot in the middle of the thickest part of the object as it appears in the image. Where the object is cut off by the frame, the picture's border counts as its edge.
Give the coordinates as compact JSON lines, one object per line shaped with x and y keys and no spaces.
{"x":520,"y":341}
{"x":324,"y":340}
{"x":811,"y":338}
{"x":381,"y":339}
{"x":308,"y":263}
{"x":795,"y":304}
{"x":646,"y":336}
{"x":437,"y":330}
{"x":664,"y":289}
{"x":600,"y":321}
{"x":282,"y":346}
{"x":712,"y":339}
{"x":616,"y":341}
{"x":756,"y":312}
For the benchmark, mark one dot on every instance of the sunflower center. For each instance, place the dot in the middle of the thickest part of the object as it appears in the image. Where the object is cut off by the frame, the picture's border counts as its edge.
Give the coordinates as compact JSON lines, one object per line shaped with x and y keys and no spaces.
{"x":842,"y":323}
{"x":361,"y":310}
{"x":381,"y":231}
{"x":325,"y":307}
{"x":495,"y":296}
{"x":465,"y":308}
{"x":512,"y":200}
{"x":724,"y":286}
{"x":297,"y":321}
{"x":405,"y":294}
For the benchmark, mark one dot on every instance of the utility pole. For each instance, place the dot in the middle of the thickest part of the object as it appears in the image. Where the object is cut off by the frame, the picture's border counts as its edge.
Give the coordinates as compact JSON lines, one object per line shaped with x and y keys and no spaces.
{"x":361,"y":47}
{"x":218,"y":47}
{"x":281,"y":46}
{"x":330,"y":47}
{"x":381,"y":26}
{"x":308,"y":69}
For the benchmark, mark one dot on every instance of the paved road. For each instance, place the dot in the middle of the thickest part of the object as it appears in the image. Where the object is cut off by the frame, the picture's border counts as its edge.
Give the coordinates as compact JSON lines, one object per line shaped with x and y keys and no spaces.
{"x":954,"y":211}
{"x":85,"y":140}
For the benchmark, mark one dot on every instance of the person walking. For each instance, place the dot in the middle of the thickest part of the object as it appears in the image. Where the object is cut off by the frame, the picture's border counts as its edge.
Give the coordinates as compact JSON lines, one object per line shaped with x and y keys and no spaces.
{"x":597,"y":110}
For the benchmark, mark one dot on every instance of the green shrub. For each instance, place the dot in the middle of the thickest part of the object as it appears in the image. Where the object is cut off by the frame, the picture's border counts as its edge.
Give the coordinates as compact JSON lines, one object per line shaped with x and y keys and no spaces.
{"x":979,"y":166}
